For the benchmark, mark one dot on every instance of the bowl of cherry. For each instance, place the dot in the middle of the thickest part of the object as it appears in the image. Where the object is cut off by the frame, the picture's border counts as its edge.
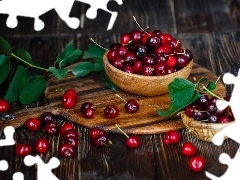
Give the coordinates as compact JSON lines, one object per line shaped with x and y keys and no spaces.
{"x":203,"y":119}
{"x":144,"y":63}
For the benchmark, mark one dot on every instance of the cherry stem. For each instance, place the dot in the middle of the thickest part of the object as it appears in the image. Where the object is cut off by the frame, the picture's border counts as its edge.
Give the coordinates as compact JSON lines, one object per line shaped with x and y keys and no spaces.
{"x":210,"y":92}
{"x":91,"y":39}
{"x":121,"y":131}
{"x":139,"y":25}
{"x":121,"y":98}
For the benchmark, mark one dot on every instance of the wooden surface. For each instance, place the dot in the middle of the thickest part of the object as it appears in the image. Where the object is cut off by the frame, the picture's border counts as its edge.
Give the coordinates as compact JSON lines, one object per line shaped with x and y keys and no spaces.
{"x":209,"y":28}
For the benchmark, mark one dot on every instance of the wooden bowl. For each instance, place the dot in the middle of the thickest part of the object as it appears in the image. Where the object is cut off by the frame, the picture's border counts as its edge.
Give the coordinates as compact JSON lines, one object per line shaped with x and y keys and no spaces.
{"x":140,"y":84}
{"x":201,"y":130}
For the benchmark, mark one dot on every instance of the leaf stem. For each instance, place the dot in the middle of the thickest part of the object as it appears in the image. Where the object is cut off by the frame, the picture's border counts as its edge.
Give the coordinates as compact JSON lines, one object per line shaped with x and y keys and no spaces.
{"x":210,"y":92}
{"x":27,"y":63}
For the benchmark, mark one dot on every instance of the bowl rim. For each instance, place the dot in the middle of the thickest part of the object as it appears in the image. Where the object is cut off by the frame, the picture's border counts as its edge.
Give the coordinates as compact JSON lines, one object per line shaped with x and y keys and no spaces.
{"x":195,"y":123}
{"x":106,"y":62}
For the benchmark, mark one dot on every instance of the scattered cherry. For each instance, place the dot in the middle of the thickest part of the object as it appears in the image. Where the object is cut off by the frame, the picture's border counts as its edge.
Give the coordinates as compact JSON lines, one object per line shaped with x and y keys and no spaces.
{"x":196,"y":163}
{"x":66,"y":150}
{"x":171,"y":137}
{"x":69,"y":101}
{"x":23,"y":149}
{"x":95,"y":132}
{"x":70,"y":133}
{"x":72,"y":91}
{"x":73,"y":141}
{"x":33,"y":124}
{"x":42,"y":145}
{"x":133,"y":141}
{"x":46,"y":117}
{"x":65,"y":127}
{"x":111,"y":111}
{"x":100,"y":140}
{"x":51,"y":128}
{"x":131,"y":106}
{"x":4,"y":105}
{"x":188,"y":149}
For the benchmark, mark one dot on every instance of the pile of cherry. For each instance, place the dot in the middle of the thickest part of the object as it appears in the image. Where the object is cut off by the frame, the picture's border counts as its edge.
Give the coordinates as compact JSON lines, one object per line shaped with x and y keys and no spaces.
{"x":148,"y":53}
{"x":205,"y":109}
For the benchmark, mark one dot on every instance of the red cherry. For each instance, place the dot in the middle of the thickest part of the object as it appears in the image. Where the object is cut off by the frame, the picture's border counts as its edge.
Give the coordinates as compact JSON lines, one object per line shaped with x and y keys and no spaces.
{"x":51,"y":128}
{"x":100,"y":140}
{"x":23,"y":149}
{"x":188,"y":149}
{"x":95,"y":132}
{"x":65,"y":127}
{"x":133,"y":141}
{"x":173,"y":137}
{"x":42,"y":146}
{"x":125,"y":38}
{"x":172,"y":61}
{"x":33,"y":124}
{"x":131,"y":106}
{"x":111,"y":111}
{"x":73,"y":141}
{"x":69,"y":101}
{"x":72,"y":91}
{"x":86,"y":105}
{"x":4,"y":105}
{"x":66,"y":150}
{"x":196,"y":163}
{"x":70,"y":133}
{"x":89,"y":113}
{"x":224,"y":119}
{"x":46,"y":117}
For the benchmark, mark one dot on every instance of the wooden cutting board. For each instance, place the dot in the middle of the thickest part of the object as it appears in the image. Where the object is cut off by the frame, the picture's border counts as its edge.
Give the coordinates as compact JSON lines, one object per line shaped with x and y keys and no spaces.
{"x":92,"y":88}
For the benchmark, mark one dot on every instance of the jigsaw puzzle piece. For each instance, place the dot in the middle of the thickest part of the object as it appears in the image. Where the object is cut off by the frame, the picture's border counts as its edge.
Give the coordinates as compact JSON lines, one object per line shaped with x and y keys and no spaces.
{"x":9,"y":140}
{"x":3,"y":165}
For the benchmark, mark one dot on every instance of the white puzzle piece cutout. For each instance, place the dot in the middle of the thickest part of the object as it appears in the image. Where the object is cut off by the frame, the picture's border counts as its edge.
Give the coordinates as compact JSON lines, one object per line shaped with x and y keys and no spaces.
{"x":44,"y":171}
{"x":36,"y":8}
{"x":9,"y":140}
{"x":231,"y":131}
{"x":3,"y":165}
{"x":18,"y":176}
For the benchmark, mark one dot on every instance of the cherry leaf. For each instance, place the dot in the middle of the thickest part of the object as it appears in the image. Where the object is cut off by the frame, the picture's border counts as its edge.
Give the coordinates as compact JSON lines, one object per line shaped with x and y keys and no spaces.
{"x":211,"y":86}
{"x":19,"y":81}
{"x":4,"y":67}
{"x":33,"y":90}
{"x":83,"y":69}
{"x":68,"y":55}
{"x":24,"y":55}
{"x":98,"y":65}
{"x":5,"y":47}
{"x":58,"y":73}
{"x":94,"y":52}
{"x":107,"y":81}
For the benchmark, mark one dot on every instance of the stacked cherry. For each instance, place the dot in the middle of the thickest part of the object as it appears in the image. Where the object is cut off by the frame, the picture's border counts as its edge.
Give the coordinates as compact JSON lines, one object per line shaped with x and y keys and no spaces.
{"x":205,"y":109}
{"x":148,"y":53}
{"x":68,"y":133}
{"x":196,"y":163}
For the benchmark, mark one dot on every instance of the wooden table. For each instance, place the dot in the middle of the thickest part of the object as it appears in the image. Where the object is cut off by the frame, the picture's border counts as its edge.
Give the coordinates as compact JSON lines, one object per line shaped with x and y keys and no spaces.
{"x":209,"y":28}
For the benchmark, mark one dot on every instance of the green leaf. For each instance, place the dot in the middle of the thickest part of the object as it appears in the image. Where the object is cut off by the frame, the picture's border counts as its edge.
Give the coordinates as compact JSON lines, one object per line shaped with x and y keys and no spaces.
{"x":107,"y":81}
{"x":98,"y":65}
{"x":24,"y":55}
{"x":83,"y":69}
{"x":4,"y":67}
{"x":68,"y":55}
{"x":181,"y":91}
{"x":202,"y":80}
{"x":58,"y":73}
{"x":5,"y":47}
{"x":211,"y":86}
{"x":94,"y":52}
{"x":33,"y":90}
{"x":174,"y":109}
{"x":19,"y":81}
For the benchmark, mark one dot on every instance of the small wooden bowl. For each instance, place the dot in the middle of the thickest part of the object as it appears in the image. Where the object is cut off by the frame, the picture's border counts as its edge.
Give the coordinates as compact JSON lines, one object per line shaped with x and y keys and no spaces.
{"x":201,"y":130}
{"x":140,"y":84}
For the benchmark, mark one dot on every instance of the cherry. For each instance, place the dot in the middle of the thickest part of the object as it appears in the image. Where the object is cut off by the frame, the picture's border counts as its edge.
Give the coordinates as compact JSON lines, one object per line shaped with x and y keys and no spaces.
{"x":136,"y":36}
{"x":128,"y":69}
{"x":188,"y":149}
{"x":140,"y":50}
{"x":89,"y":113}
{"x":23,"y":149}
{"x":161,"y":69}
{"x":182,"y":61}
{"x":196,"y":163}
{"x":129,"y":57}
{"x":33,"y":124}
{"x":69,"y":101}
{"x":148,"y":60}
{"x":114,"y":46}
{"x":42,"y":146}
{"x":73,"y":141}
{"x":111,"y":111}
{"x":148,"y":70}
{"x":125,"y":38}
{"x":131,"y":106}
{"x":51,"y":128}
{"x":69,"y":133}
{"x":95,"y":132}
{"x":111,"y":54}
{"x":4,"y":105}
{"x":86,"y":105}
{"x":153,"y":41}
{"x":118,"y":63}
{"x":137,"y":66}
{"x":66,"y":150}
{"x":172,"y":61}
{"x":213,"y":118}
{"x":171,"y":137}
{"x":65,"y":127}
{"x":121,"y":50}
{"x":189,"y":110}
{"x":72,"y":91}
{"x":100,"y":140}
{"x":224,"y":119}
{"x":46,"y":117}
{"x":132,"y":141}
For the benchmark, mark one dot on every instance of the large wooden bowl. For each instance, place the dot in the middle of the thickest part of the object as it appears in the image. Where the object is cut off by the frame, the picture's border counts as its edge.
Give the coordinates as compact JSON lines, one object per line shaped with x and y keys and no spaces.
{"x":201,"y":130}
{"x":140,"y":84}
